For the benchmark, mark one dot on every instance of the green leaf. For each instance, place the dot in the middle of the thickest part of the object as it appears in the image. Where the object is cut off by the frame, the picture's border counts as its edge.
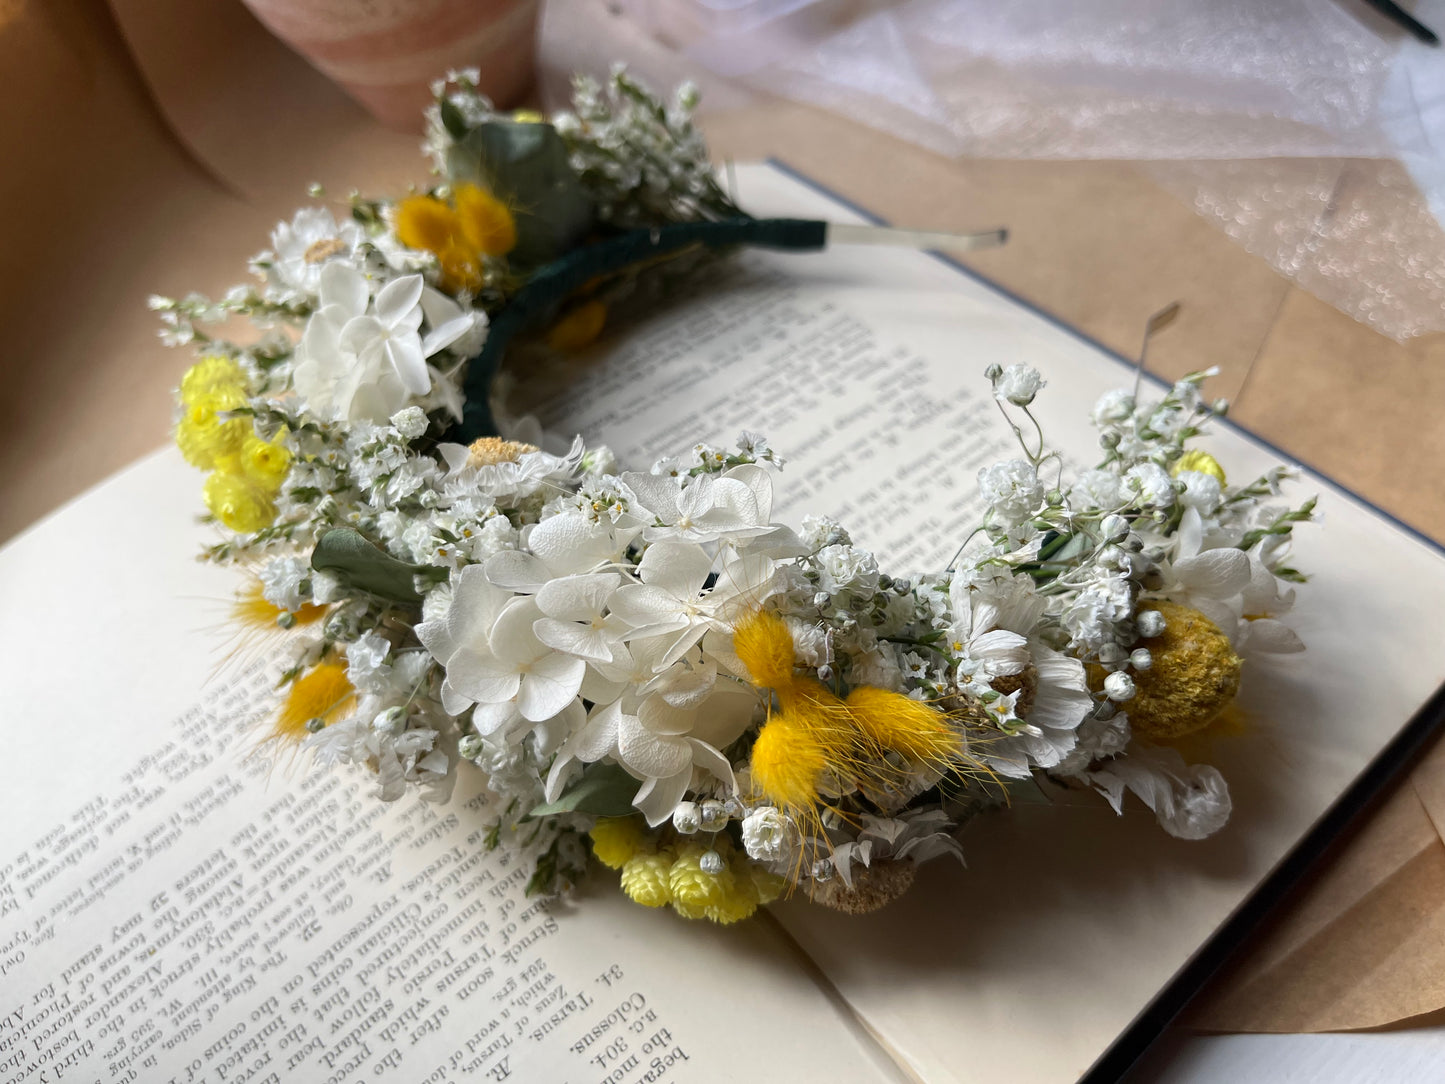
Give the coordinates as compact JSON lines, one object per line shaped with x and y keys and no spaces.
{"x":452,"y":119}
{"x":347,"y":555}
{"x":526,"y":166}
{"x":604,"y":790}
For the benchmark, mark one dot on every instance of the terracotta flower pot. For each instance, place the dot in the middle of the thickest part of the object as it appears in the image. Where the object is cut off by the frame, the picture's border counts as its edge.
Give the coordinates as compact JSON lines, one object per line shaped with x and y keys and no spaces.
{"x":385,"y":53}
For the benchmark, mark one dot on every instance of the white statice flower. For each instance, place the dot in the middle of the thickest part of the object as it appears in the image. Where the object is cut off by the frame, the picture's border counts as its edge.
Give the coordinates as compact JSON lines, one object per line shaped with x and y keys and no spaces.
{"x":768,"y":835}
{"x":1151,"y":485}
{"x":1096,"y":489}
{"x":1191,"y":801}
{"x":398,"y":759}
{"x":1201,"y":491}
{"x":286,"y":582}
{"x":1018,"y":384}
{"x":1113,"y":407}
{"x":301,"y":248}
{"x":1012,"y":489}
{"x":822,"y":531}
{"x":410,"y":422}
{"x":1093,"y":617}
{"x":366,"y":666}
{"x":847,"y":569}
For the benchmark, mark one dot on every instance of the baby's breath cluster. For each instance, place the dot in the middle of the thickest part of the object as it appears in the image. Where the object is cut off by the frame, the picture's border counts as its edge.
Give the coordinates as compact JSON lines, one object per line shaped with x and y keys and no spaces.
{"x":643,"y":665}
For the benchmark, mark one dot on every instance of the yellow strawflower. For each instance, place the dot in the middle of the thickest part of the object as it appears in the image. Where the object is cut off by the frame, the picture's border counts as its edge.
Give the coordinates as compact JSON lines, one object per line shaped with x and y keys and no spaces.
{"x":646,"y":879}
{"x":1199,"y":461}
{"x":579,"y":328}
{"x":616,"y":840}
{"x":323,"y":692}
{"x":485,"y":221}
{"x":238,"y":502}
{"x":265,"y":463}
{"x":203,"y":435}
{"x":211,"y":375}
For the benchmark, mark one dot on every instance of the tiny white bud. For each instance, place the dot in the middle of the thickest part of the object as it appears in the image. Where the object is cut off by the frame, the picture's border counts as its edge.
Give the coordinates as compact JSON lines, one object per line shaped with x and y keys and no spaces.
{"x":1111,"y":653}
{"x":712,"y":816}
{"x":470,"y":746}
{"x":685,"y":818}
{"x":711,"y":862}
{"x":1119,"y":686}
{"x":391,"y":721}
{"x":1115,"y":527}
{"x":1151,"y":623}
{"x":1140,"y":659}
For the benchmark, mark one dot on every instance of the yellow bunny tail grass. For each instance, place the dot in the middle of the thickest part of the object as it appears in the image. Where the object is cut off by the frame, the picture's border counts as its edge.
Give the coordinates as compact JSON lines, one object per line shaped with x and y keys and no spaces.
{"x":788,"y":762}
{"x":323,"y":692}
{"x":910,"y":727}
{"x":253,"y":613}
{"x":485,"y":221}
{"x":617,"y":840}
{"x":764,"y":644}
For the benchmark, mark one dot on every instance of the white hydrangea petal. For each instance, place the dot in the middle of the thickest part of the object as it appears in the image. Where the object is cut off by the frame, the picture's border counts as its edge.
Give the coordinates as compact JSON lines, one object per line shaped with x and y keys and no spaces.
{"x":1268,"y":635}
{"x":679,"y":568}
{"x":398,"y":302}
{"x":481,"y":677}
{"x":650,"y":755}
{"x":1219,"y":572}
{"x":344,"y":286}
{"x":656,"y":799}
{"x":552,"y":681}
{"x":578,"y":598}
{"x":404,"y":354}
{"x":585,"y":642}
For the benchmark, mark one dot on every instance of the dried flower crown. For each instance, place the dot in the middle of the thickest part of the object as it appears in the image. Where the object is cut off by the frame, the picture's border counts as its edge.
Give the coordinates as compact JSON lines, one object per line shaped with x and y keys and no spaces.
{"x":643,"y":665}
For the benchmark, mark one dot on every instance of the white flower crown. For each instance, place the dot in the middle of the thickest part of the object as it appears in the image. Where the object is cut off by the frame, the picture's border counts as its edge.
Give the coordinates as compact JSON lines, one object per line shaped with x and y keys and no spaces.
{"x":724,"y":707}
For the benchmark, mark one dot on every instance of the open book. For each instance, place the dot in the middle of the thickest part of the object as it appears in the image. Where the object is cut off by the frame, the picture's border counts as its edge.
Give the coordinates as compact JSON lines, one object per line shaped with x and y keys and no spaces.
{"x":171,"y":910}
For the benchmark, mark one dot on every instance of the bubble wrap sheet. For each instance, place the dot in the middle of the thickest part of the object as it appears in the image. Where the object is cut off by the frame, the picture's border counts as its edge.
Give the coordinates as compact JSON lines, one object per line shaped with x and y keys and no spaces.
{"x":1234,"y":101}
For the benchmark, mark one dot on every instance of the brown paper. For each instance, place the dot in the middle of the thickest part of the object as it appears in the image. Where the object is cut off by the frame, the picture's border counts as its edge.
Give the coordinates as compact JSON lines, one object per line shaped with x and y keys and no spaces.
{"x":157,"y":142}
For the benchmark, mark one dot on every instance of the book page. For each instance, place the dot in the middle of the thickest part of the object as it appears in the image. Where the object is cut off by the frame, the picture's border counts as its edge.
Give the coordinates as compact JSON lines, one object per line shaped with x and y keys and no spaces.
{"x":864,"y":368}
{"x":174,"y":910}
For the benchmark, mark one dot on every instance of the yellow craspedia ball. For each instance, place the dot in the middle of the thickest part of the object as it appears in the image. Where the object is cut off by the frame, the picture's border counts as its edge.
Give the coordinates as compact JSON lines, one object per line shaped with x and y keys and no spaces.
{"x":579,"y":328}
{"x":1199,"y":461}
{"x":1193,"y":677}
{"x":485,"y":220}
{"x":694,"y":889}
{"x":211,"y":375}
{"x":646,"y":879}
{"x":265,"y":462}
{"x":238,"y":502}
{"x":425,"y":222}
{"x":616,"y":840}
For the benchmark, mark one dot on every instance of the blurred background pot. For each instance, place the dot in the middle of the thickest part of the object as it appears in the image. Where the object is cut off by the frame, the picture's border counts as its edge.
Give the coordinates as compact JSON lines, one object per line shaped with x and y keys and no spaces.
{"x":385,"y":53}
